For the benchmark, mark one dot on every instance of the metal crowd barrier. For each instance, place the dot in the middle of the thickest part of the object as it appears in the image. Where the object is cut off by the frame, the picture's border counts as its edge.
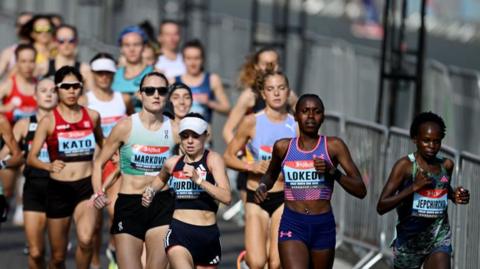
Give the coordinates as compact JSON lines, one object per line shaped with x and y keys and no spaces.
{"x":375,"y":149}
{"x":467,"y":228}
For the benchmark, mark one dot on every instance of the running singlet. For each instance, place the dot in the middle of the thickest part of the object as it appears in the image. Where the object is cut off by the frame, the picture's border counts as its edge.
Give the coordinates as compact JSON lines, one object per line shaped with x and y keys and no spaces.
{"x":302,"y":182}
{"x":110,"y":111}
{"x":72,"y":142}
{"x":27,"y":145}
{"x":201,"y":92}
{"x":51,"y":67}
{"x":171,"y":68}
{"x":267,"y":132}
{"x":25,"y":105}
{"x":145,"y":151}
{"x":189,"y":195}
{"x":124,"y":85}
{"x":431,"y":201}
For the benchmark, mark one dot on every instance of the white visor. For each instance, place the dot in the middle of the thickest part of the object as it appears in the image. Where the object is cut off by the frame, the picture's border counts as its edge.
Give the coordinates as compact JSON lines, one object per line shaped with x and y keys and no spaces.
{"x":103,"y":64}
{"x":194,"y":124}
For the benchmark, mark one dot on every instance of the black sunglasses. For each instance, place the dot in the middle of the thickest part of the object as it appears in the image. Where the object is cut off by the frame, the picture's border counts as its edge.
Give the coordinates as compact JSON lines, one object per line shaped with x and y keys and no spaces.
{"x":66,"y":85}
{"x":149,"y":91}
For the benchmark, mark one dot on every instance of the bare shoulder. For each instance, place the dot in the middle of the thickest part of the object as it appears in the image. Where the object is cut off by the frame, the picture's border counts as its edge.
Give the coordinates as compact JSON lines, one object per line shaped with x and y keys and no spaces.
{"x":247,"y":98}
{"x":281,"y":146}
{"x":448,"y":164}
{"x":94,"y":115}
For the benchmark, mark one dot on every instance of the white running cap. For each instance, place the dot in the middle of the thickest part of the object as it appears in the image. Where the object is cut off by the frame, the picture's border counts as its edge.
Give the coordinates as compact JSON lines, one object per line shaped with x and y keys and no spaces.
{"x":104,"y":64}
{"x":199,"y":126}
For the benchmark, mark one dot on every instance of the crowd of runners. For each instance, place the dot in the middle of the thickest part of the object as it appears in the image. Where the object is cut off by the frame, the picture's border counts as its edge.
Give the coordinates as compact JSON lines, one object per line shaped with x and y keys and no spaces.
{"x":131,"y":138}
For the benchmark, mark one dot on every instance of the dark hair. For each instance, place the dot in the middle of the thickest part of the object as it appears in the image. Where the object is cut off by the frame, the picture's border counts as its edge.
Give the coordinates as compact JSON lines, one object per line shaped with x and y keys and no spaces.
{"x":263,"y":76}
{"x":194,"y":115}
{"x":164,"y":22}
{"x":154,"y":74}
{"x":426,"y":117}
{"x":194,"y":43}
{"x":147,"y":27}
{"x":248,"y":73}
{"x":21,"y":47}
{"x":102,"y":55}
{"x":23,"y":13}
{"x":178,"y":85}
{"x":307,"y":96}
{"x":67,"y":70}
{"x":68,"y":26}
{"x":27,"y":28}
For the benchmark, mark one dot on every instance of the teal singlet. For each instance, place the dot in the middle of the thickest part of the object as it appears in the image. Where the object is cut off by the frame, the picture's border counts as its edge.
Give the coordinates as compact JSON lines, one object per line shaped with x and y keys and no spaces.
{"x":145,"y":151}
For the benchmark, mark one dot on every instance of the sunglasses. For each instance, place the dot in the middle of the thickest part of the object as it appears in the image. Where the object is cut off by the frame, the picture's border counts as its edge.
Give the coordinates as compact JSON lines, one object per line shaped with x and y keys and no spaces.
{"x":67,"y":86}
{"x":72,"y":40}
{"x":46,"y":29}
{"x":186,"y":135}
{"x":149,"y":91}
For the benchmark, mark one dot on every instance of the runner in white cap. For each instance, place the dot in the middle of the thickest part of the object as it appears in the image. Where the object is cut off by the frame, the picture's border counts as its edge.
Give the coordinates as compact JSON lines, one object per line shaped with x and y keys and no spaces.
{"x":200,"y":182}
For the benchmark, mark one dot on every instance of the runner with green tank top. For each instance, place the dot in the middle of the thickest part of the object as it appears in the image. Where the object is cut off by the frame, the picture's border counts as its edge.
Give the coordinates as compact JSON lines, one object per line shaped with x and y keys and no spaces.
{"x":419,"y":188}
{"x":145,"y":141}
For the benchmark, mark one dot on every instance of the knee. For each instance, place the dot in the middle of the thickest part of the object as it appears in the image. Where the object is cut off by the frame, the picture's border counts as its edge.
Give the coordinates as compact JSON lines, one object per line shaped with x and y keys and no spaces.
{"x":58,"y":258}
{"x":255,"y":262}
{"x":85,"y":241}
{"x":35,"y":253}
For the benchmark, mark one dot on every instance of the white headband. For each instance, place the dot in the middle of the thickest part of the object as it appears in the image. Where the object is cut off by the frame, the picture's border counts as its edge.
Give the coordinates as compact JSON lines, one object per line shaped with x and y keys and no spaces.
{"x":195,"y":124}
{"x":104,"y":64}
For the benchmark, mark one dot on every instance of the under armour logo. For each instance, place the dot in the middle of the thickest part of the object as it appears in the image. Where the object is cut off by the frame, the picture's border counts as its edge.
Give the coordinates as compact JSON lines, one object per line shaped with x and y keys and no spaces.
{"x":216,"y":260}
{"x":120,"y":226}
{"x":285,"y":234}
{"x":444,"y":179}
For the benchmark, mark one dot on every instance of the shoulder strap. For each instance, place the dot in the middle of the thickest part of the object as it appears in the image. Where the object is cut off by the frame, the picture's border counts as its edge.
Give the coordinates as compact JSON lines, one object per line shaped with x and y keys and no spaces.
{"x":411,"y":157}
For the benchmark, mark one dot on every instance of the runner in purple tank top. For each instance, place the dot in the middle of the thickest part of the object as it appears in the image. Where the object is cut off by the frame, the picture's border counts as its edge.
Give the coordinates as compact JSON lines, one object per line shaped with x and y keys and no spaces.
{"x":308,"y":163}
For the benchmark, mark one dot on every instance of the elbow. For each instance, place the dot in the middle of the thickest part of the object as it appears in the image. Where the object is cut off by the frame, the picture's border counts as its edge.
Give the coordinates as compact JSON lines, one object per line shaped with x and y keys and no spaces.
{"x":30,"y":160}
{"x":228,"y":200}
{"x":380,"y":208}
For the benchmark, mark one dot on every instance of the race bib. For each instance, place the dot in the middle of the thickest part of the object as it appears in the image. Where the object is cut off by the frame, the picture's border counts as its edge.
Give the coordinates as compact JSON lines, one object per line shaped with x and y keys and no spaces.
{"x":43,"y":154}
{"x":303,"y":182}
{"x":184,"y":187}
{"x":265,"y":153}
{"x":108,"y":123}
{"x":149,"y":158}
{"x":430,"y":203}
{"x":76,"y":143}
{"x":23,"y":112}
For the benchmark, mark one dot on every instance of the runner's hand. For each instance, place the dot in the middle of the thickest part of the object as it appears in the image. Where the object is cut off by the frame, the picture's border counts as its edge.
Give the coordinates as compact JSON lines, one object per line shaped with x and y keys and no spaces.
{"x":191,"y":172}
{"x":421,"y":180}
{"x":56,"y":166}
{"x":260,"y":193}
{"x":260,"y":167}
{"x":147,"y":196}
{"x":100,"y":200}
{"x":462,"y":196}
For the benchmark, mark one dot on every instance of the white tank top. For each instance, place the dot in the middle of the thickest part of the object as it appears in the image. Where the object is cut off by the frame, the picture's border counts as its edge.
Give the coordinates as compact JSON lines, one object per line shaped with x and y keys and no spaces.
{"x":110,"y":111}
{"x":171,"y":68}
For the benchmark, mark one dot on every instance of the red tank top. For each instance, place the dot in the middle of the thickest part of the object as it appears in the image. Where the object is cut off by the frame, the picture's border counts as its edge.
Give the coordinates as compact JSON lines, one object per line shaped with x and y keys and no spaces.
{"x":25,"y":105}
{"x":72,"y":142}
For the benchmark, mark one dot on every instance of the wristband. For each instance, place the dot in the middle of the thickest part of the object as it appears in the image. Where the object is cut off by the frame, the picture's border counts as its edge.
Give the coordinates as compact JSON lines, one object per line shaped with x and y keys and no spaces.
{"x":3,"y":164}
{"x":337,"y":174}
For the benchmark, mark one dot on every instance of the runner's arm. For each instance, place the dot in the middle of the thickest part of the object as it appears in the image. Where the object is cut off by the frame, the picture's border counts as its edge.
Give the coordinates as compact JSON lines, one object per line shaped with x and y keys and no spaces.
{"x":111,"y":145}
{"x":236,"y":114}
{"x":220,"y":103}
{"x":9,"y":139}
{"x":240,"y":139}
{"x":221,"y":190}
{"x":352,"y":182}
{"x":40,"y":136}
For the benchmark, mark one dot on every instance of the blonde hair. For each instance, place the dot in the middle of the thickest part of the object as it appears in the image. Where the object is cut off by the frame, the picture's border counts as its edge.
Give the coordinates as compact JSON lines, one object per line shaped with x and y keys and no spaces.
{"x":248,"y":73}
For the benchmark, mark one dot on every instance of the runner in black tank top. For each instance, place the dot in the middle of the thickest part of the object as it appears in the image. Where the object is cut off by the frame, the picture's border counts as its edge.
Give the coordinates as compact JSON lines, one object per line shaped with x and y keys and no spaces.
{"x":36,"y":180}
{"x":200,"y":182}
{"x":66,"y":40}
